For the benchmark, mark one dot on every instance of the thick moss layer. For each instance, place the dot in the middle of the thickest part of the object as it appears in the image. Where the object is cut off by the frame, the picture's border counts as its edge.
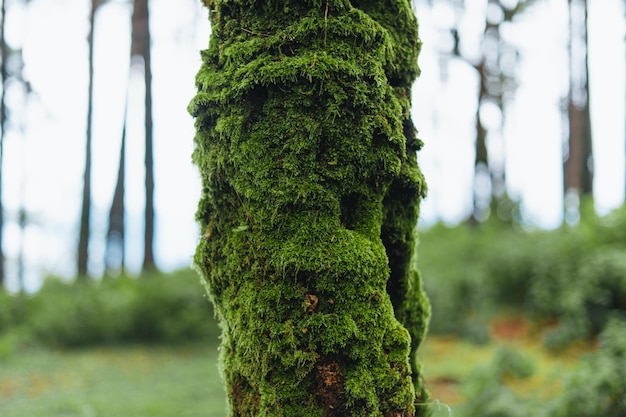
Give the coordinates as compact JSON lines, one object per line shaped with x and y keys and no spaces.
{"x":310,"y":198}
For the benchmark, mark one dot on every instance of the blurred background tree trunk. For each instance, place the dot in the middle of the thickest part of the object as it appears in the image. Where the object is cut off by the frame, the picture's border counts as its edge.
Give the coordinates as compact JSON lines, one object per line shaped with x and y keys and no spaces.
{"x":578,"y":160}
{"x":497,"y":81}
{"x":84,"y":233}
{"x":483,"y":185}
{"x":116,"y":240}
{"x":4,"y":53}
{"x":140,"y":47}
{"x":139,"y":57}
{"x":16,"y":91}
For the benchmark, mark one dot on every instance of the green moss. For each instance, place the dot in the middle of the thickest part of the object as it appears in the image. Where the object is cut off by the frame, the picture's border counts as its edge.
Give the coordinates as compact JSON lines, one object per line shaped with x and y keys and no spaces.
{"x":310,"y":198}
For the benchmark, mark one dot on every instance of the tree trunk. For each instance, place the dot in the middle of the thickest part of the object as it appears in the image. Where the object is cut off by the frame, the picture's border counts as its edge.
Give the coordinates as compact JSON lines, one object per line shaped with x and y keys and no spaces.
{"x":83,"y":239}
{"x":578,"y":169}
{"x":115,"y":233}
{"x":141,"y":47}
{"x":481,"y":207}
{"x":4,"y":53}
{"x":310,"y":197}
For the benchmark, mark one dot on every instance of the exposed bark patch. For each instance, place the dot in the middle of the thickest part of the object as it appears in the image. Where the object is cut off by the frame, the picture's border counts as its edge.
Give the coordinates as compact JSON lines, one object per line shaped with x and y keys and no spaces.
{"x":329,"y":388}
{"x":244,"y":398}
{"x":398,"y":414}
{"x":311,"y":302}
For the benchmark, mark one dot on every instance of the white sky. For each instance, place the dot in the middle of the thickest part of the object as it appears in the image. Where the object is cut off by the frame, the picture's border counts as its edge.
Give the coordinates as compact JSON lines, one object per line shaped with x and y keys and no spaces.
{"x":43,"y":166}
{"x":533,"y":134}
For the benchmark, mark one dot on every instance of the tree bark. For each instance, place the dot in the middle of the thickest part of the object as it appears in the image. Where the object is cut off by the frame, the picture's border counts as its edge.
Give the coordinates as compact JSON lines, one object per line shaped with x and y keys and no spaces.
{"x":480,"y":210}
{"x":310,"y":196}
{"x":115,"y":233}
{"x":4,"y":53}
{"x":141,"y":47}
{"x":83,"y":239}
{"x":578,"y":170}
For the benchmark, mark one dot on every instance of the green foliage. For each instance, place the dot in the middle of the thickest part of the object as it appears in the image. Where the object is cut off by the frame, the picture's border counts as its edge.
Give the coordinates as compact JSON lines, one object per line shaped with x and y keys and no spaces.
{"x":157,"y":308}
{"x":453,"y":262}
{"x":80,"y":314}
{"x":598,"y":387}
{"x":173,"y":310}
{"x":576,"y":276}
{"x":486,"y":392}
{"x":595,"y":387}
{"x":13,"y":309}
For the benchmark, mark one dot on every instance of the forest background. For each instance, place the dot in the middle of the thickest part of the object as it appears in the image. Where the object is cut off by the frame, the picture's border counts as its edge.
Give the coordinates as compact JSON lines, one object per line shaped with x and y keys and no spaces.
{"x":522,"y":108}
{"x":501,"y":81}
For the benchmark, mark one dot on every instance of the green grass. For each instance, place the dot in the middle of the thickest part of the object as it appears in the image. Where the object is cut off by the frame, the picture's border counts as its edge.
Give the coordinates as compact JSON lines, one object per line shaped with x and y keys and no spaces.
{"x":112,"y":382}
{"x":143,"y":381}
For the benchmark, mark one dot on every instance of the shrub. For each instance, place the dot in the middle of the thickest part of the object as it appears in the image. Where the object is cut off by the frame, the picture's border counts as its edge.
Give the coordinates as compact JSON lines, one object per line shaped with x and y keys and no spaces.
{"x":486,"y":393}
{"x":82,"y":313}
{"x":13,"y":310}
{"x":168,"y":308}
{"x":173,"y":309}
{"x":576,"y":276}
{"x":452,"y":261}
{"x":598,"y":386}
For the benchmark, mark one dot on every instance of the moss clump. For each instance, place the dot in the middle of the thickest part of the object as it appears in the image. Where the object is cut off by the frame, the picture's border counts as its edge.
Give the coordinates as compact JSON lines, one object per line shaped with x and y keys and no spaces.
{"x":310,"y":198}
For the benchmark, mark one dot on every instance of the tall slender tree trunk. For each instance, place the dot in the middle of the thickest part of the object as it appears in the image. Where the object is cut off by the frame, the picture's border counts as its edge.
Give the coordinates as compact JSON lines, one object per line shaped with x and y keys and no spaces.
{"x":141,"y":47}
{"x":310,"y":197}
{"x":578,"y":165}
{"x":481,"y":157}
{"x":4,"y":53}
{"x":116,"y":242}
{"x":21,"y":261}
{"x":83,"y":239}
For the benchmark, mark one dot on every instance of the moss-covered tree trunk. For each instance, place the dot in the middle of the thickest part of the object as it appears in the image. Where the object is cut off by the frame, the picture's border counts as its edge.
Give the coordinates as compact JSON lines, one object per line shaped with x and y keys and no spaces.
{"x":310,"y":198}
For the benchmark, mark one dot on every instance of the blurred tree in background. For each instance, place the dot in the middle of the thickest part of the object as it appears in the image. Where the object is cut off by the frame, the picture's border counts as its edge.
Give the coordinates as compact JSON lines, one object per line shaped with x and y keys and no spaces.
{"x":3,"y":115}
{"x":140,"y":47}
{"x":495,"y":60}
{"x":116,"y":240}
{"x":16,"y":91}
{"x":140,"y":58}
{"x":115,"y":237}
{"x":85,"y":216}
{"x":578,"y":157}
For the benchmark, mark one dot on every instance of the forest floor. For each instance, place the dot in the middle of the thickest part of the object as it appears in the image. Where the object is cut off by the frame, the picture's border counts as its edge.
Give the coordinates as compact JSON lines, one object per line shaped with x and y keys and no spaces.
{"x":184,"y":381}
{"x":133,"y":381}
{"x":450,"y":362}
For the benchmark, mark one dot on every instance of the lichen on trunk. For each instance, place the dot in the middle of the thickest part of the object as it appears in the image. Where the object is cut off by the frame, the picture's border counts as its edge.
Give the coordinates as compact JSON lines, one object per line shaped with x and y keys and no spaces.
{"x":310,"y":197}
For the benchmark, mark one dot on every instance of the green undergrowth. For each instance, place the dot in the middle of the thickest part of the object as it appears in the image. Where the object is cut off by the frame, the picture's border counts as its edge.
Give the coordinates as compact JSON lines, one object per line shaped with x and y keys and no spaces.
{"x":498,"y":379}
{"x":593,"y":385}
{"x":156,"y":308}
{"x":572,"y":278}
{"x":569,"y":287}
